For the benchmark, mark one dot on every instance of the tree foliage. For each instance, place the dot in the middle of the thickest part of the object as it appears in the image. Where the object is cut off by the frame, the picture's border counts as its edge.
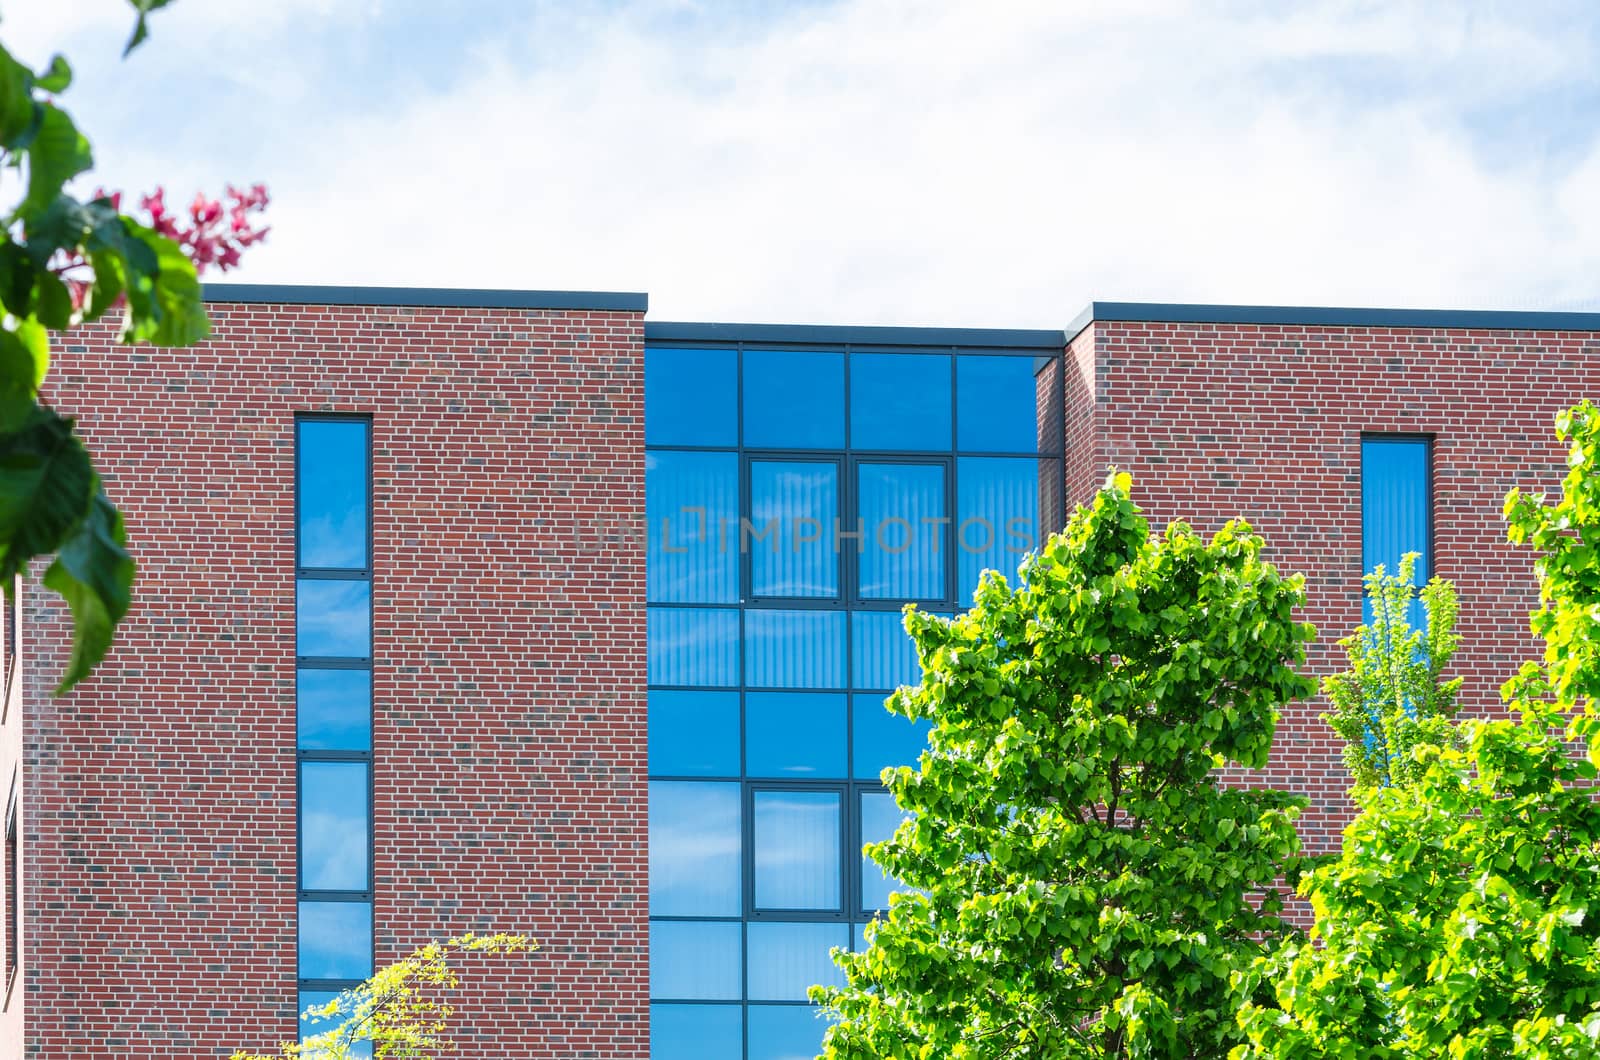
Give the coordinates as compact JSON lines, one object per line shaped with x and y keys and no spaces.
{"x":1395,"y":698}
{"x":51,"y":497}
{"x":1085,"y":883}
{"x":398,"y":1013}
{"x":1462,"y":916}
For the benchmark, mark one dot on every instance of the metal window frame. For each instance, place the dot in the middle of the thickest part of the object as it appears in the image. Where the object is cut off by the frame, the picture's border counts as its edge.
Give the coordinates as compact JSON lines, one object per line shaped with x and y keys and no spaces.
{"x":13,"y":893}
{"x":850,"y":914}
{"x":313,"y":662}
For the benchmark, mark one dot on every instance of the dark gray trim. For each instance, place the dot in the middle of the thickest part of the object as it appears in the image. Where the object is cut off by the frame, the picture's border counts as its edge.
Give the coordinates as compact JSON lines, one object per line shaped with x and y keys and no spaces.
{"x":1331,"y":316}
{"x":839,"y":335}
{"x":447,"y":297}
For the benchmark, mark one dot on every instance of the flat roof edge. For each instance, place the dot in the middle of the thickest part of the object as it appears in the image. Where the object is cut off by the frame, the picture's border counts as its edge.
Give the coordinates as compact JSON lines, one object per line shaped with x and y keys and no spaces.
{"x":442,"y":297}
{"x":849,"y":335}
{"x":1331,"y":316}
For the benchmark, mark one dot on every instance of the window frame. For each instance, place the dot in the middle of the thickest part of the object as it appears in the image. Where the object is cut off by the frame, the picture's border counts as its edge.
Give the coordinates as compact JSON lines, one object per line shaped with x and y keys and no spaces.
{"x":747,"y":594}
{"x":324,"y":662}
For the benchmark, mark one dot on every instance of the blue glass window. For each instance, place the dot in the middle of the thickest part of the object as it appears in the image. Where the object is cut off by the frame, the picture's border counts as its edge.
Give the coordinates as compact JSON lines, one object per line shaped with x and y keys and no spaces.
{"x":794,"y":649}
{"x":333,"y":494}
{"x":1396,"y":509}
{"x":694,"y":646}
{"x":695,"y":960}
{"x":694,"y":734}
{"x":786,"y":960}
{"x":309,"y":1027}
{"x":785,"y":1032}
{"x":998,"y":401}
{"x":793,"y":399}
{"x":333,"y":618}
{"x":879,"y":818}
{"x":998,"y":515}
{"x":904,"y":525}
{"x":900,"y":401}
{"x":335,"y":829}
{"x":694,"y":848}
{"x":795,"y":734}
{"x":794,"y":509}
{"x":696,"y":1032}
{"x":882,"y":654}
{"x":692,"y":515}
{"x":333,"y":709}
{"x":690,"y":397}
{"x":335,"y":940}
{"x":797,"y":836}
{"x":883,"y":739}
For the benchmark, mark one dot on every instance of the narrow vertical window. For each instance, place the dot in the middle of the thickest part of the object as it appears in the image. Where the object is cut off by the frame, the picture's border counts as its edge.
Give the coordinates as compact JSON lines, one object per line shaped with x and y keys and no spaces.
{"x":333,"y":703}
{"x":1397,"y":504}
{"x":13,"y":895}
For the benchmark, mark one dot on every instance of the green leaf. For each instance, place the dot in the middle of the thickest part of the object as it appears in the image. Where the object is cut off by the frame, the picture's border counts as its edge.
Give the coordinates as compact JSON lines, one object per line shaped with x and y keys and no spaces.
{"x":56,"y":77}
{"x":16,"y":99}
{"x":17,"y":373}
{"x":37,"y":341}
{"x":168,"y":309}
{"x":140,"y":30}
{"x":46,"y":484}
{"x":58,"y":153}
{"x":52,"y":302}
{"x":94,"y":574}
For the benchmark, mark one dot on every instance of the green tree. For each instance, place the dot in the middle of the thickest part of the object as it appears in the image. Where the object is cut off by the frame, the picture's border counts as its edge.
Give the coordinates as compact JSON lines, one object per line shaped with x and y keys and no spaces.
{"x":398,"y":1013}
{"x":1085,"y":883}
{"x":1395,"y":697}
{"x":1462,"y":916}
{"x":51,"y":498}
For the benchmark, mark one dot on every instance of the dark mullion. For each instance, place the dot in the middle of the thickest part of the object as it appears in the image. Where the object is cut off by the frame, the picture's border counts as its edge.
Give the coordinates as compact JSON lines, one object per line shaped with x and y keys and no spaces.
{"x":353,"y":897}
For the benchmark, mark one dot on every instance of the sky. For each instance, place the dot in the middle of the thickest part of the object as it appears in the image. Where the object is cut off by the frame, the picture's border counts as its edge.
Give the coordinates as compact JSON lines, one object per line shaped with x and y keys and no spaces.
{"x":941,"y":162}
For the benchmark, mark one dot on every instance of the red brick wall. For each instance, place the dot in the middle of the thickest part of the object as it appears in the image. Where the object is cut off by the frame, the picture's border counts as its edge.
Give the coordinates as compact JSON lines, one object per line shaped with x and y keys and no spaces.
{"x":1216,"y":421}
{"x":509,"y":668}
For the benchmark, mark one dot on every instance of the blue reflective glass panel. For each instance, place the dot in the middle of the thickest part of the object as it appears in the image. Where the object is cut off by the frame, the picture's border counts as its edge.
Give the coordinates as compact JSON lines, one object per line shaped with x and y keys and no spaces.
{"x":785,"y":1032}
{"x":796,"y":836}
{"x":693,"y":646}
{"x":335,"y":826}
{"x":692,"y":516}
{"x":794,"y":649}
{"x":1395,"y":506}
{"x":335,"y":940}
{"x":882,"y":652}
{"x":333,"y":618}
{"x":333,"y":710}
{"x":786,"y":960}
{"x":694,"y":734}
{"x":361,"y":1050}
{"x":794,"y":508}
{"x":696,"y":1032}
{"x":794,"y":399}
{"x":690,"y":397}
{"x":695,"y":961}
{"x":900,"y":401}
{"x":883,"y":739}
{"x":904,"y":526}
{"x":308,"y":1027}
{"x":997,"y":515}
{"x":998,"y":401}
{"x":694,"y":848}
{"x":795,"y":734}
{"x":333,"y":493}
{"x":879,"y":818}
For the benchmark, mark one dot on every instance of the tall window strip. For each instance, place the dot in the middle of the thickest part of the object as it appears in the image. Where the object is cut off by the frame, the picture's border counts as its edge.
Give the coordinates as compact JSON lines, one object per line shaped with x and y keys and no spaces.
{"x":797,"y":498}
{"x":1397,"y":506}
{"x":13,"y":894}
{"x":333,"y":704}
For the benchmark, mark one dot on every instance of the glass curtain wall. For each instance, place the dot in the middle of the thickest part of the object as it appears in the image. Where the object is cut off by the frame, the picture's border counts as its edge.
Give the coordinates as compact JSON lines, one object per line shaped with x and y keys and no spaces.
{"x":797,"y":497}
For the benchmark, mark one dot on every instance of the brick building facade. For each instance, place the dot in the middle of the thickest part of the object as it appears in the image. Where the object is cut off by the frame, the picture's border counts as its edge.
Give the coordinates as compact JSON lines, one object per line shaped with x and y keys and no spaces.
{"x":528,"y":657}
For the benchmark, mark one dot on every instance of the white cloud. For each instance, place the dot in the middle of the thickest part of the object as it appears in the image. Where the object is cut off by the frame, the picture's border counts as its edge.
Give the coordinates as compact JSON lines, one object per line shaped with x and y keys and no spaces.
{"x":894,"y":161}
